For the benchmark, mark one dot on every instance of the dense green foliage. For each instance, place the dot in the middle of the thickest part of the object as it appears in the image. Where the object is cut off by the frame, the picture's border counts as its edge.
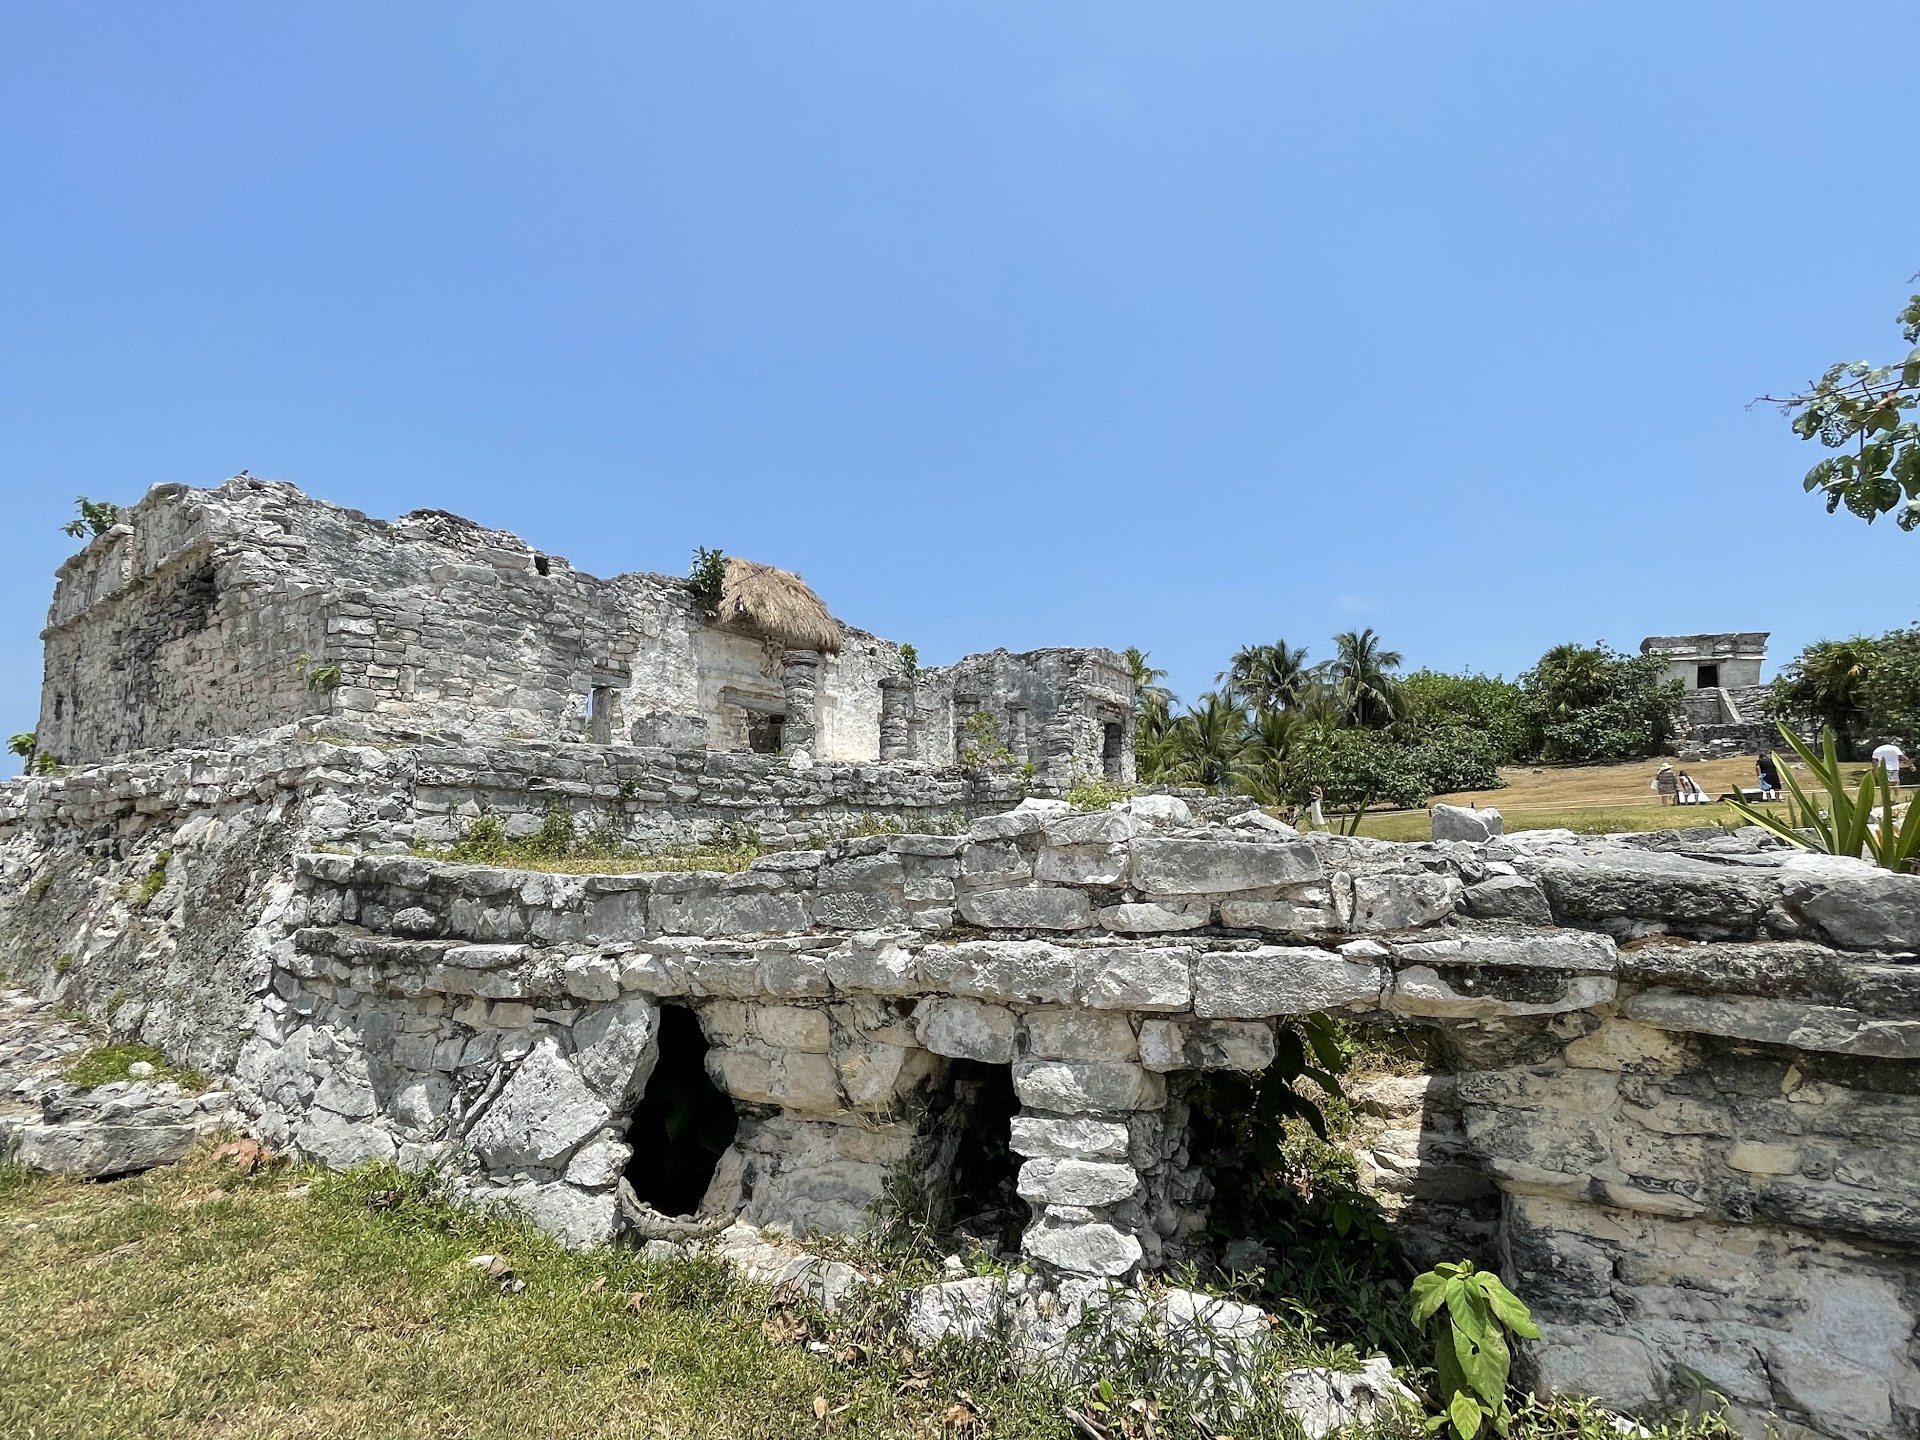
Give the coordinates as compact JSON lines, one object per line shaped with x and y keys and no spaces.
{"x":1864,"y":689}
{"x":1863,"y":412}
{"x":1588,"y":703}
{"x":1362,"y":734}
{"x":707,"y":577}
{"x":1282,"y":1186}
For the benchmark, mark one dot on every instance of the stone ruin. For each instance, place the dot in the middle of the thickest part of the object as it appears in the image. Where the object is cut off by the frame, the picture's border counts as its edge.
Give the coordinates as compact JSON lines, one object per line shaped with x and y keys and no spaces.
{"x":1678,"y":1111}
{"x":1724,"y":709}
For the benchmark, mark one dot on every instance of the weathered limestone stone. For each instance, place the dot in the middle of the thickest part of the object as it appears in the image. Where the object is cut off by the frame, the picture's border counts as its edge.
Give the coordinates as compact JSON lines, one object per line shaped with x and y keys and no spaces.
{"x":1778,"y":1022}
{"x":1068,"y":1138}
{"x":1508,"y":897}
{"x":1421,"y":990}
{"x":1049,"y":1181}
{"x":965,"y":1029}
{"x":1163,"y":811}
{"x":1579,"y":952}
{"x":1401,"y":902}
{"x":793,"y":1027}
{"x":1206,"y":1045}
{"x":1280,"y":980}
{"x":541,"y":1115}
{"x":1324,"y":1400}
{"x":1083,"y":1249}
{"x":1079,"y":1035}
{"x":1311,"y":916}
{"x":1457,"y":822}
{"x":615,"y":1047}
{"x":1030,"y":972}
{"x":1211,"y":867}
{"x":1149,"y":918}
{"x":1870,"y":909}
{"x":1076,"y":1086}
{"x":1051,"y":908}
{"x":580,"y":1218}
{"x":1137,"y":978}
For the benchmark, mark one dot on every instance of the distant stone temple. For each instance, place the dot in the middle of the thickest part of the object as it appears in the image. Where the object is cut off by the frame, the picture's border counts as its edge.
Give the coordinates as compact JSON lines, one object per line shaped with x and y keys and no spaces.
{"x":1711,"y":662}
{"x":1724,"y":708}
{"x":208,"y":614}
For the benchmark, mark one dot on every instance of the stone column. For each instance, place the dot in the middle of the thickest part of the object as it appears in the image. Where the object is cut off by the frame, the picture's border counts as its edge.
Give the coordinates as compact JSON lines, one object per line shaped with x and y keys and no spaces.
{"x":896,"y":718}
{"x":799,"y":679}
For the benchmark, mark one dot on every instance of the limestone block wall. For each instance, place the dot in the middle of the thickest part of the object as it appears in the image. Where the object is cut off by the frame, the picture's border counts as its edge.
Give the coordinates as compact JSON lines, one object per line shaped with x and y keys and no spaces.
{"x":231,"y":611}
{"x":142,"y":889}
{"x":1690,"y":1074}
{"x":1686,"y":1066}
{"x":1048,"y":708}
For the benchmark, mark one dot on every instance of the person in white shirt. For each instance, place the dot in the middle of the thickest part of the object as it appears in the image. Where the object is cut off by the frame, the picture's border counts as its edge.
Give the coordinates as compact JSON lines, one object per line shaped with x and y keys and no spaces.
{"x":1889,"y":758}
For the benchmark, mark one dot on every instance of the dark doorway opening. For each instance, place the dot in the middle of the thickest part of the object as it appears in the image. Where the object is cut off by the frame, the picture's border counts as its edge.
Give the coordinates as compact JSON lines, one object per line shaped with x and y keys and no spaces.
{"x":683,"y":1122}
{"x":1110,"y":749}
{"x":967,"y":1157}
{"x":1709,"y":678}
{"x":763,"y":732}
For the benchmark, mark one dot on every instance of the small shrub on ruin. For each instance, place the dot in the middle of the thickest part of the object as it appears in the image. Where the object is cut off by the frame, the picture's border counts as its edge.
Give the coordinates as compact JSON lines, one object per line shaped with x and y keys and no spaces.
{"x":96,"y":517}
{"x":1098,"y":794}
{"x":909,"y":660}
{"x":105,"y":1064}
{"x":708,"y":578}
{"x":1470,"y":1314}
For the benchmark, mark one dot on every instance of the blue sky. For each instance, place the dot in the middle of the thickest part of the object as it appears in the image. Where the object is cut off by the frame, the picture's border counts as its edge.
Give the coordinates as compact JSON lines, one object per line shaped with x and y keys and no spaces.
{"x":1005,"y":324}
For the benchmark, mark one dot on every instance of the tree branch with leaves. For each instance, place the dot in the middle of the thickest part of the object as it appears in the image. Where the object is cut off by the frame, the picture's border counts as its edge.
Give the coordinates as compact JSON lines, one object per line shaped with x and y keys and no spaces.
{"x":1863,"y":412}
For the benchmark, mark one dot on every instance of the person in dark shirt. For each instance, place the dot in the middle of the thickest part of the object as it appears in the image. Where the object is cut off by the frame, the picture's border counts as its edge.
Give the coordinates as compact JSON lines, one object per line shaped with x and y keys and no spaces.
{"x":1768,"y":769}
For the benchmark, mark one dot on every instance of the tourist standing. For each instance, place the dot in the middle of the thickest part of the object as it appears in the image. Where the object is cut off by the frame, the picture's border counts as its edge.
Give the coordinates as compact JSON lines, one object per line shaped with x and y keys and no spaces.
{"x":1889,"y":757}
{"x":1768,"y":769}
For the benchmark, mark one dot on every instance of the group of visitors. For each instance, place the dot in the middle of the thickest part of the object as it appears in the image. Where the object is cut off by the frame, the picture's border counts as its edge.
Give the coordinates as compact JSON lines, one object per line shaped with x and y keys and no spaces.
{"x":1676,"y":787}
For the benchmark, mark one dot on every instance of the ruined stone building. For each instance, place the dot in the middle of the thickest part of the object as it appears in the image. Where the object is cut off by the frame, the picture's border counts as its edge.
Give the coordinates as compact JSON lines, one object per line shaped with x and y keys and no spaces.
{"x":1676,"y":1105}
{"x":206,"y":614}
{"x":1723,"y":705}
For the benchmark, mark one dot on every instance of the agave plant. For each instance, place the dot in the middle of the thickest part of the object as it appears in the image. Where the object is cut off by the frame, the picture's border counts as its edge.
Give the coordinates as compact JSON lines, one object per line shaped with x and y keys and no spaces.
{"x":1846,"y":825}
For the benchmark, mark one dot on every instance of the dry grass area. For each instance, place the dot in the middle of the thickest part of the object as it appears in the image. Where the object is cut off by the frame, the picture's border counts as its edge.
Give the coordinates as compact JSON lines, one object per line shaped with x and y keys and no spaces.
{"x":1595,"y":799}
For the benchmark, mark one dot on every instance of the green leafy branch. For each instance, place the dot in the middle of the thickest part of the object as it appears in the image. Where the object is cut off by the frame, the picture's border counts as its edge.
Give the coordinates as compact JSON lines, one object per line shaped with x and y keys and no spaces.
{"x":1862,"y":411}
{"x":708,"y":578}
{"x":96,"y":517}
{"x":1471,"y":1355}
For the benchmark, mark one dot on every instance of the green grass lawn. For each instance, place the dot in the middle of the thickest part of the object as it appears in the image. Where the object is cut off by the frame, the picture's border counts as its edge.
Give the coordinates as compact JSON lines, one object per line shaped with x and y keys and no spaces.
{"x":194,"y":1302}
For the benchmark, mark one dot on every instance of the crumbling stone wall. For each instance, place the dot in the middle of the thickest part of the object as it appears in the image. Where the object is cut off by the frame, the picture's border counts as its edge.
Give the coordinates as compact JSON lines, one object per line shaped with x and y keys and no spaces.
{"x":231,"y":611}
{"x":1684,"y":1066}
{"x":1705,"y":1144}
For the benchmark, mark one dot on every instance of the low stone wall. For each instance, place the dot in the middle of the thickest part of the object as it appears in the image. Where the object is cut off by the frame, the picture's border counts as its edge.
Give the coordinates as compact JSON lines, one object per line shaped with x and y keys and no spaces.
{"x":1705,"y":1143}
{"x":141,"y":889}
{"x":1682,"y":1069}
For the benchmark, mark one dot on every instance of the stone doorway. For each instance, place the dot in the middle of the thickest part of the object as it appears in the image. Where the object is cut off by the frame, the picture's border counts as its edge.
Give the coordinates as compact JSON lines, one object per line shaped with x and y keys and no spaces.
{"x":683,"y":1123}
{"x":966,"y":1155}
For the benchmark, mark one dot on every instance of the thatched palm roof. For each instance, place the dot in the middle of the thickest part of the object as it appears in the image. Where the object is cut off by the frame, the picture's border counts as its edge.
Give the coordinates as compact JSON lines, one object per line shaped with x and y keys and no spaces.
{"x":777,"y":605}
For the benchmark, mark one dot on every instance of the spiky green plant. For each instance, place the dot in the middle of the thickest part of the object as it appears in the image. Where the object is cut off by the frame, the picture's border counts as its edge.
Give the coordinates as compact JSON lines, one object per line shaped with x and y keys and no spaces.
{"x":1846,"y":825}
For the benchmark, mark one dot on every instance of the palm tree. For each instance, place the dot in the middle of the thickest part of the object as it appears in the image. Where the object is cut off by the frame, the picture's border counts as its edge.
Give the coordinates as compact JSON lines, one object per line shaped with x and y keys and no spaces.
{"x":1360,"y":670}
{"x":1268,"y":677}
{"x":1151,"y":699}
{"x":1207,"y":742}
{"x":1827,"y":681}
{"x":24,"y":746}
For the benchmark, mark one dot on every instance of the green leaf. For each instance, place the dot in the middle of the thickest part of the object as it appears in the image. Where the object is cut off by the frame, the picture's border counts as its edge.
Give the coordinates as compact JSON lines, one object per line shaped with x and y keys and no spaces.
{"x":1487,"y":1368}
{"x":1464,"y":1412}
{"x":1507,"y":1308}
{"x":1429,"y":1291}
{"x":1468,"y":1307}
